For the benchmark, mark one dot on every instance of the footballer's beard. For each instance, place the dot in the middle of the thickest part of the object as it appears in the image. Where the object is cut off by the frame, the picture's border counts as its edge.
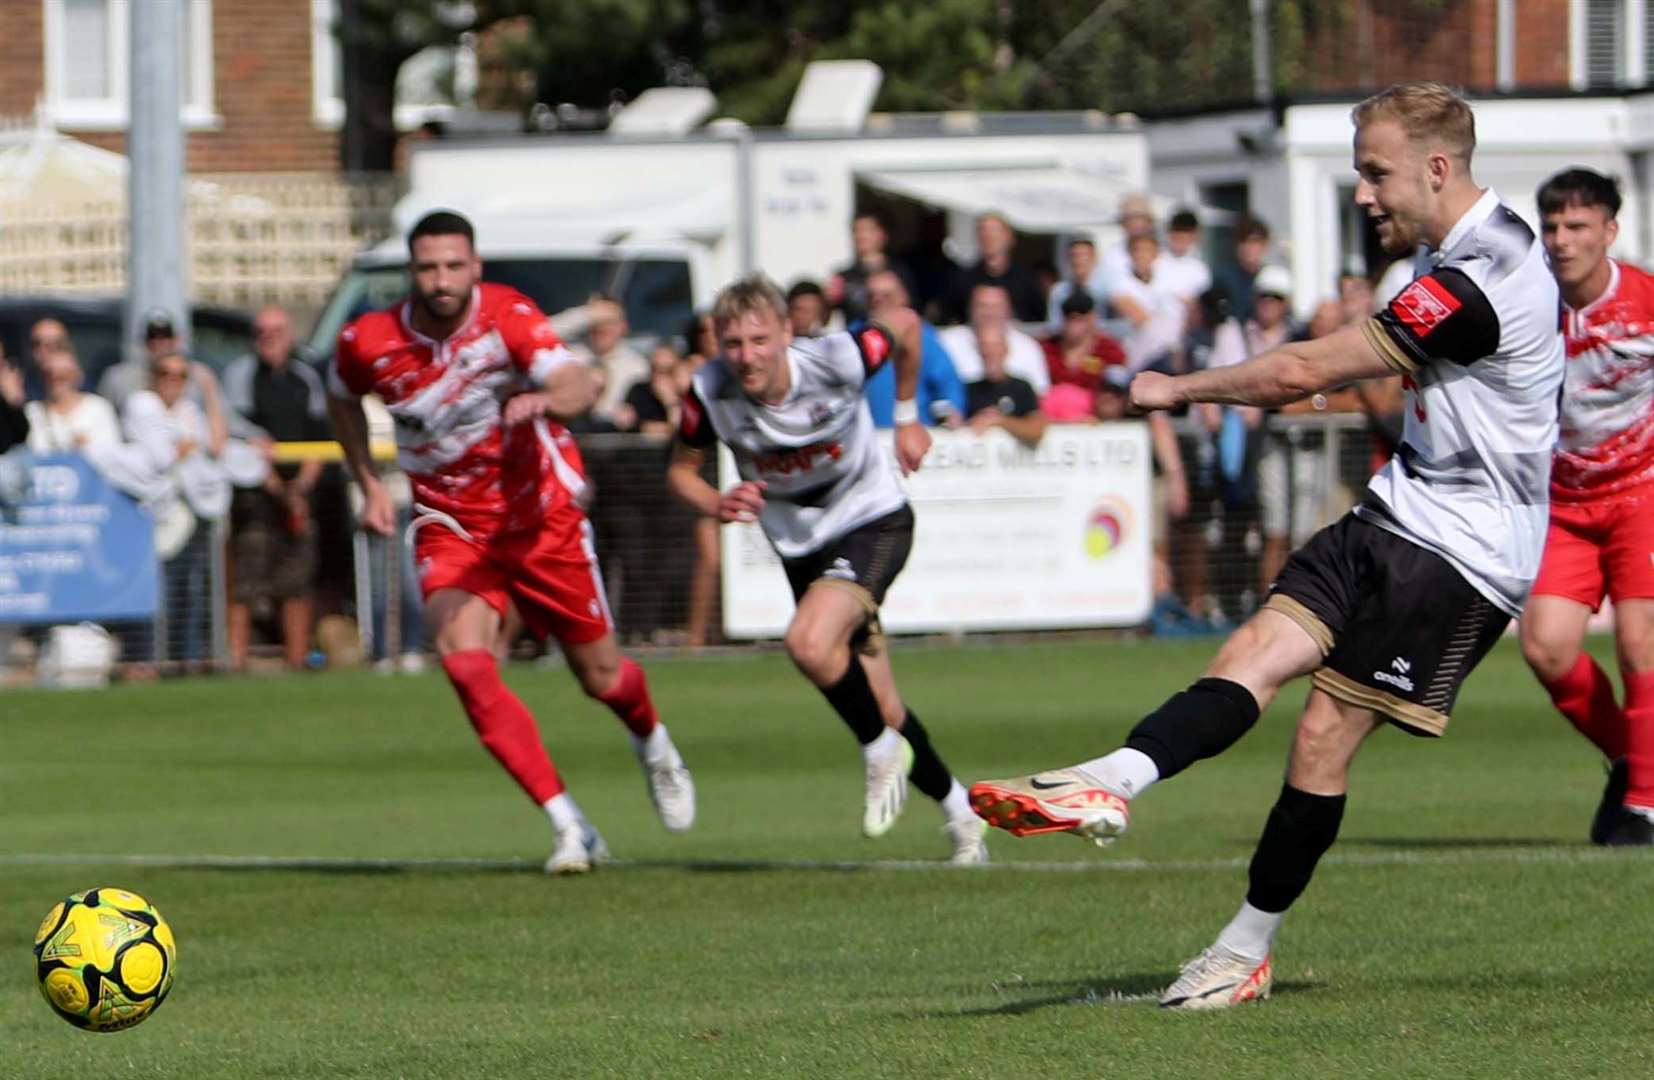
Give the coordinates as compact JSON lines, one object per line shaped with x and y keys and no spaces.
{"x":441,"y":307}
{"x":1395,"y":236}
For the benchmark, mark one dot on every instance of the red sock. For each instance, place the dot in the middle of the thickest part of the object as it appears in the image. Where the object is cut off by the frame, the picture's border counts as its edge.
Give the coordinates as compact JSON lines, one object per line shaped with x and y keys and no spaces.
{"x":1639,"y":739}
{"x":503,"y":722}
{"x":629,"y":698}
{"x":1586,"y":697}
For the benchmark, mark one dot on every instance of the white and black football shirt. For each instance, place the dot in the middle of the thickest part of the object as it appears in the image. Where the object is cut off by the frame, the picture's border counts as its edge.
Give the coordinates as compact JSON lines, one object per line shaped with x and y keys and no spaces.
{"x":1476,"y":338}
{"x":825,"y":472}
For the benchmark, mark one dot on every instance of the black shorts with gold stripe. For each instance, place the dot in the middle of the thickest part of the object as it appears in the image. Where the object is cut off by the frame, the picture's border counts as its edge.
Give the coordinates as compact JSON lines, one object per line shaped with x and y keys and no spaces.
{"x":864,"y":562}
{"x":1399,"y":627}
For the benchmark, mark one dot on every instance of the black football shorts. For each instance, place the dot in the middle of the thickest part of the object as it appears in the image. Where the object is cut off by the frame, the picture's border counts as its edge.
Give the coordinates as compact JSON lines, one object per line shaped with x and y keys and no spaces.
{"x":1399,"y":626}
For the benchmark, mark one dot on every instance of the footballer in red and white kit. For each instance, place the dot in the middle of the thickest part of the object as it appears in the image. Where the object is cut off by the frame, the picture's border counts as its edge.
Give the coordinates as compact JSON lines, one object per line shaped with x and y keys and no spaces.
{"x":825,"y":491}
{"x":1601,"y":537}
{"x":476,"y":380}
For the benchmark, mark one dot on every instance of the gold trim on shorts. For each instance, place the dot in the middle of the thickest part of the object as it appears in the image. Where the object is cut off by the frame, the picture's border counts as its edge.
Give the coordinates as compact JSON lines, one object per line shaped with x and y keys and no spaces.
{"x":872,"y":633}
{"x":1380,"y":339}
{"x":1419,"y":718}
{"x":1311,"y":623}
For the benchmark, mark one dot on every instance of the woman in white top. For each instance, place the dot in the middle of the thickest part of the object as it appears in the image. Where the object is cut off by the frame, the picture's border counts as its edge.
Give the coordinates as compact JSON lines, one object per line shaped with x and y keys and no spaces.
{"x":68,"y":420}
{"x":179,"y":438}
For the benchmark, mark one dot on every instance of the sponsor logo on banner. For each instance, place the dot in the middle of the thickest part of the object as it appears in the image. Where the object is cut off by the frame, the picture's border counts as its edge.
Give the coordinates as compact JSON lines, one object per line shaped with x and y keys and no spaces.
{"x":1106,"y":528}
{"x":1424,"y":305}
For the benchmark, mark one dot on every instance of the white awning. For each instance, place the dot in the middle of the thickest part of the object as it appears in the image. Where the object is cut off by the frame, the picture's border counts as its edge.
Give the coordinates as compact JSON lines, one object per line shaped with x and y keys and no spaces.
{"x":1050,"y":199}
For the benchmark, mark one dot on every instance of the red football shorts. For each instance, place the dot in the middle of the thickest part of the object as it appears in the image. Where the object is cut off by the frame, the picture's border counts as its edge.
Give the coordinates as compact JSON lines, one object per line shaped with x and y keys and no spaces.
{"x":552,"y":575}
{"x":1605,"y":546}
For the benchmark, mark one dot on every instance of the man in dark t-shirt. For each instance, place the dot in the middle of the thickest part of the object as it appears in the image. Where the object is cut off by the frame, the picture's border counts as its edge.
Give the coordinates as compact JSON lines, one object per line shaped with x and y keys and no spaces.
{"x":999,"y":399}
{"x":997,"y":266}
{"x":273,"y":537}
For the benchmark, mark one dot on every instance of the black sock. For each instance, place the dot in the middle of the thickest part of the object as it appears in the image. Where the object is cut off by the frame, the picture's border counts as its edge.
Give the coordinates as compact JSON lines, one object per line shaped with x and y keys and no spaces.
{"x":929,"y":775}
{"x":1300,"y":829}
{"x":1202,"y":721}
{"x":852,"y":698}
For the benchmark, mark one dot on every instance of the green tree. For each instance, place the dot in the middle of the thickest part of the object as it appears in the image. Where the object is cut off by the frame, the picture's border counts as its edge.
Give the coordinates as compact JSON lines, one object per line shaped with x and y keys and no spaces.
{"x":1114,"y":55}
{"x":376,"y":37}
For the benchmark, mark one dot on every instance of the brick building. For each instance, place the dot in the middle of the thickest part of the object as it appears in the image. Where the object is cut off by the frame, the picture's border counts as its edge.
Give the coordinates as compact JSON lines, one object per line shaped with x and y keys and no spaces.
{"x":259,"y":78}
{"x":1483,"y":45}
{"x":272,"y":218}
{"x":1526,"y":46}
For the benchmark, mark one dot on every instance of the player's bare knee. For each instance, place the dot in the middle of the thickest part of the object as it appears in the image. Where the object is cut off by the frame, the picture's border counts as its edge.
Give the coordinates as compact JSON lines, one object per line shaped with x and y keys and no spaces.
{"x":1548,"y":653}
{"x":813,"y":652}
{"x":598,"y":677}
{"x":1634,"y":642}
{"x":449,"y":641}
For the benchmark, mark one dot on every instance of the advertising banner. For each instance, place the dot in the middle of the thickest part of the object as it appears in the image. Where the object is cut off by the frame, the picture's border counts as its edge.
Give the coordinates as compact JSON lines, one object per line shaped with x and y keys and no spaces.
{"x":73,"y":548}
{"x":1007,"y":538}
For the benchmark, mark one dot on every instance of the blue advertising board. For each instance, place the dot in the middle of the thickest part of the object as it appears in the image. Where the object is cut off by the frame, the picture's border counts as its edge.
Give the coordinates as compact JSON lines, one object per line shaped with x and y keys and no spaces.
{"x":73,"y":548}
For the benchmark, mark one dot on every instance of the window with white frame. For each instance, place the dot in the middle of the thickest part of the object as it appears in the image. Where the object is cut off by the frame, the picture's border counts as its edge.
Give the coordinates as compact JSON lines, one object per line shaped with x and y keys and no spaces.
{"x":88,"y":47}
{"x":326,"y":65}
{"x":1611,"y":43}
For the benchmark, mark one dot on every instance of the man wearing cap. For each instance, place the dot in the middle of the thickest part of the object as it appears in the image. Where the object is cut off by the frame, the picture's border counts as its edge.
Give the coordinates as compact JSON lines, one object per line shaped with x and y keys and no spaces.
{"x":1077,"y":357}
{"x":160,"y":338}
{"x":1136,"y":219}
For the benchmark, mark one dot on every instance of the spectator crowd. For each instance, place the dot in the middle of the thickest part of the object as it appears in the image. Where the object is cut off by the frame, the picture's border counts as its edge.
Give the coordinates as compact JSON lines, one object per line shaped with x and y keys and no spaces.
{"x":1007,"y":344}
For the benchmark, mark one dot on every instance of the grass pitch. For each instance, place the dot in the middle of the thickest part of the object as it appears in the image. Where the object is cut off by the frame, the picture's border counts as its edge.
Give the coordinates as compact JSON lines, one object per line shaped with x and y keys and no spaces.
{"x":373,"y":907}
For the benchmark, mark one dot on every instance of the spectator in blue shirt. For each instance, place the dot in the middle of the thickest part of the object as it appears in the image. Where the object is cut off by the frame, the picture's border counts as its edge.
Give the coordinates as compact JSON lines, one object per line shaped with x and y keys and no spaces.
{"x":941,"y":393}
{"x":1235,"y":278}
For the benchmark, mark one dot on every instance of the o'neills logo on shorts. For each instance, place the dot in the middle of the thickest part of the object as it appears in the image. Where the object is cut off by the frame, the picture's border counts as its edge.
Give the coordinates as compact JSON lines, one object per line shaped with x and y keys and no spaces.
{"x":1400,"y":682}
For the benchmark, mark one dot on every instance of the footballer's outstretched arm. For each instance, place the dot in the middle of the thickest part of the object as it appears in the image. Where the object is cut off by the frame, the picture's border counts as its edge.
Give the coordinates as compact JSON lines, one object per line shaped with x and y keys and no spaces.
{"x":1279,"y":376}
{"x":350,"y":428}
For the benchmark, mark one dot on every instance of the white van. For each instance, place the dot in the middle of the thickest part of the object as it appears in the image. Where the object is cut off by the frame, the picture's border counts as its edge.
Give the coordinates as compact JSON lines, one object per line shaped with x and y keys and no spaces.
{"x":661,"y":284}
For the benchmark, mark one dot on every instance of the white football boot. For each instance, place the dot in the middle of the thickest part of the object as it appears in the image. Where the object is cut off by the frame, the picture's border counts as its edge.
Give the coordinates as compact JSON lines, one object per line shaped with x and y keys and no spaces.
{"x":886,"y":785}
{"x":577,"y":851}
{"x":969,"y":837}
{"x":1218,"y":979}
{"x":671,"y":788}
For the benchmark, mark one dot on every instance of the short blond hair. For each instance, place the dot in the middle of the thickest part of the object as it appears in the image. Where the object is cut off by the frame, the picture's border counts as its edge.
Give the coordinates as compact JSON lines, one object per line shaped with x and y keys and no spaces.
{"x":753,"y":293}
{"x":1433,"y":115}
